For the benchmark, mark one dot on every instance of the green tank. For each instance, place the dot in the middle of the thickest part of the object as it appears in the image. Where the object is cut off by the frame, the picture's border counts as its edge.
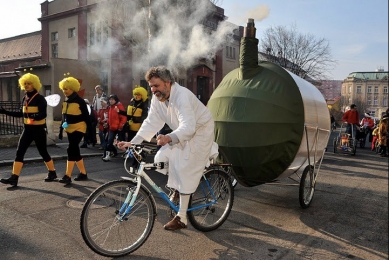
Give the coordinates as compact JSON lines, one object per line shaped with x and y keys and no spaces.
{"x":260,"y":117}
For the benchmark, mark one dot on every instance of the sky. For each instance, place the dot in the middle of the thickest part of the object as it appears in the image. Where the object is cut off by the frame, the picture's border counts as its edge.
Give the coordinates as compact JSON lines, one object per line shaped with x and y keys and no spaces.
{"x":357,"y":30}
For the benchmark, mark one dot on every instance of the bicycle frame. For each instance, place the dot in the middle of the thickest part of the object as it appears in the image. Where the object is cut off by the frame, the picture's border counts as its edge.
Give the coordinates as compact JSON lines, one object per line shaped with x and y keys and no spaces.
{"x":140,"y":173}
{"x":118,"y":217}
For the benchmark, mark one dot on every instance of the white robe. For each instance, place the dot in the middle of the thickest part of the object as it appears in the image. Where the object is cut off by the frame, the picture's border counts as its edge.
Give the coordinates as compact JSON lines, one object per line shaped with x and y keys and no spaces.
{"x":193,"y":124}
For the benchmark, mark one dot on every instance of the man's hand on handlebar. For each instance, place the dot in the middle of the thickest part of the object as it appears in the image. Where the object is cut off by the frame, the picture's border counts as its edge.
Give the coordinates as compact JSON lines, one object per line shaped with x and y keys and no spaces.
{"x":123,"y":145}
{"x":163,"y":139}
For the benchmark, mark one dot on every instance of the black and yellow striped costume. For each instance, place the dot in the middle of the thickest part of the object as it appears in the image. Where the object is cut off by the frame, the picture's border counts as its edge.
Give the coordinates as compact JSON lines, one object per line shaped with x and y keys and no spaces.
{"x":75,"y":114}
{"x":137,"y":112}
{"x":34,"y":112}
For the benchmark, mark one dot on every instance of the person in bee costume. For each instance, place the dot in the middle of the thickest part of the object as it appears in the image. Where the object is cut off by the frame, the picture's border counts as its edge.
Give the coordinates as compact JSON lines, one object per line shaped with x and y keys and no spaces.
{"x":75,"y":122}
{"x":137,"y":112}
{"x":34,"y":113}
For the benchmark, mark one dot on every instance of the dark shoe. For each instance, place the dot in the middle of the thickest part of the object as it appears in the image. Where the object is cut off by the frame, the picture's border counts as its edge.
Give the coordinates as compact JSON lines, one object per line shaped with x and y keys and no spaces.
{"x":174,"y":224}
{"x":383,"y":155}
{"x":84,"y":146}
{"x":81,"y":177}
{"x":13,"y":180}
{"x":65,"y":179}
{"x":51,"y":176}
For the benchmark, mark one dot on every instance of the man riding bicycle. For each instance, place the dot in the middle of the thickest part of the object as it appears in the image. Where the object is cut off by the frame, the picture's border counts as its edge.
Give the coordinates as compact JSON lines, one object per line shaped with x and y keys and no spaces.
{"x":351,"y":118}
{"x":188,"y":147}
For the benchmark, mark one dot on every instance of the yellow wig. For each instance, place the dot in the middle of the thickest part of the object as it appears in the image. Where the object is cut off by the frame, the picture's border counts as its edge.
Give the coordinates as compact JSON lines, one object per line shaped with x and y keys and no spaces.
{"x":70,"y":83}
{"x":28,"y":77}
{"x":141,"y":91}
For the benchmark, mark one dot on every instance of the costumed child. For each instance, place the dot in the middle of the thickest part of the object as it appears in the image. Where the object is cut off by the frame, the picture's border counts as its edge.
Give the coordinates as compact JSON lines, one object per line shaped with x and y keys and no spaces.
{"x":75,"y":122}
{"x":137,"y":111}
{"x":34,"y":113}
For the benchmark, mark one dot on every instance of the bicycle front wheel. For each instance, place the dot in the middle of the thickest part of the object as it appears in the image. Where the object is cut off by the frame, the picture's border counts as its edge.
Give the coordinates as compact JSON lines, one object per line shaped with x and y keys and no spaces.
{"x":105,"y":231}
{"x":211,"y":203}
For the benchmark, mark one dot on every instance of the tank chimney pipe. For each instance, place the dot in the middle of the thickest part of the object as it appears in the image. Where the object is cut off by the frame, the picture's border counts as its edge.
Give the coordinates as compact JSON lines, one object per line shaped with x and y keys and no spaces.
{"x":249,"y":30}
{"x":248,"y":58}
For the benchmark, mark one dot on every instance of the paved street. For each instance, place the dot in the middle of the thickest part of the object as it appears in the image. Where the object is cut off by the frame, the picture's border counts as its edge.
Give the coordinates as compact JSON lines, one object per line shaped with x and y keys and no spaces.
{"x":348,"y":218}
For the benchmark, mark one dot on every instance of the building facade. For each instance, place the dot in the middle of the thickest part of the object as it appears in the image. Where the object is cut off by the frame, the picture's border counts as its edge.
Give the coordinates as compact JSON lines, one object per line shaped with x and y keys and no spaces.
{"x":370,"y":89}
{"x":331,"y":89}
{"x":75,"y":42}
{"x":15,"y":52}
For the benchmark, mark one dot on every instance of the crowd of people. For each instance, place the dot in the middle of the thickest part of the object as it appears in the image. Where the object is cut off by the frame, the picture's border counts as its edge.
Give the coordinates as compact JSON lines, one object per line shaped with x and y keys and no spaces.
{"x":79,"y":120}
{"x":115,"y":123}
{"x":368,"y":129}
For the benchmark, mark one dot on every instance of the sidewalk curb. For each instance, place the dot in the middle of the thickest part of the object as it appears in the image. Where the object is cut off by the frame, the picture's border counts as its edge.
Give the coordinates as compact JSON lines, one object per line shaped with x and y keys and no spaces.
{"x":60,"y":154}
{"x":54,"y":157}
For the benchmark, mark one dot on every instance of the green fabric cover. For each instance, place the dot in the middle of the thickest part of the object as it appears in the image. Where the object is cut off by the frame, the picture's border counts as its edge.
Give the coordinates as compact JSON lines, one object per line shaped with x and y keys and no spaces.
{"x":259,"y":121}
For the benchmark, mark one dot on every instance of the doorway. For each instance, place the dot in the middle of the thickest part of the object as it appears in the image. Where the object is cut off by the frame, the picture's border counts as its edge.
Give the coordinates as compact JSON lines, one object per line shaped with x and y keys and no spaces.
{"x":203,"y":89}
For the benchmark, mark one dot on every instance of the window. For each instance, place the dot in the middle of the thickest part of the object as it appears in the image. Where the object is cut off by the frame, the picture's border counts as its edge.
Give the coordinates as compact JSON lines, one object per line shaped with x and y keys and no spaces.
{"x":47,"y":90}
{"x":181,"y":82}
{"x":385,"y":89}
{"x":376,"y":89}
{"x":105,"y":34}
{"x":359,"y":89}
{"x":385,"y":101}
{"x":54,"y":36}
{"x":71,"y":32}
{"x":144,"y":84}
{"x":369,"y":100}
{"x":349,"y":89}
{"x":375,"y":100}
{"x":98,"y":34}
{"x":369,"y":89}
{"x":104,"y":80}
{"x":92,"y":34}
{"x":54,"y":50}
{"x":230,"y":52}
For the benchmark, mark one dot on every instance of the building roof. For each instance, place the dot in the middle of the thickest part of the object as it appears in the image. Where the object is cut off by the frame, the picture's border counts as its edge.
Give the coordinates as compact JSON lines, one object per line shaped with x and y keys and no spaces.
{"x":371,"y":75}
{"x":21,"y":47}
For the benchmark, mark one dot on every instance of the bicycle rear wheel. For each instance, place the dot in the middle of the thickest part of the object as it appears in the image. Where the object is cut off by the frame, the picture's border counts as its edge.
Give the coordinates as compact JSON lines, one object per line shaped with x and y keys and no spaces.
{"x":104,"y":231}
{"x":220,"y":199}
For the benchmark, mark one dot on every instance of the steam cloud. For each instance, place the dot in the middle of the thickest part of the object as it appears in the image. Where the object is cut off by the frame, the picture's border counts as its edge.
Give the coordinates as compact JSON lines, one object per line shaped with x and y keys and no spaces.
{"x":259,"y":13}
{"x":241,"y":14}
{"x":162,"y":32}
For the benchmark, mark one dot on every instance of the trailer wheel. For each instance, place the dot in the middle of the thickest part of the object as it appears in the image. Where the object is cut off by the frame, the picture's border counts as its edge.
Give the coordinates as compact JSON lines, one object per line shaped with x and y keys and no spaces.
{"x":307,"y":187}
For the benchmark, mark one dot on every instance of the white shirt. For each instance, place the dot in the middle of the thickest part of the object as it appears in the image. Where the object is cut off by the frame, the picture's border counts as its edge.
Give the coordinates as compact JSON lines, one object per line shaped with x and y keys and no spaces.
{"x":193,"y":125}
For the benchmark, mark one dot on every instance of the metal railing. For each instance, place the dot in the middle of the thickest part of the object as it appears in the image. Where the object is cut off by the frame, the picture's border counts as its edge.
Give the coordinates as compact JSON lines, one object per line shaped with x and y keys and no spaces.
{"x":10,"y":125}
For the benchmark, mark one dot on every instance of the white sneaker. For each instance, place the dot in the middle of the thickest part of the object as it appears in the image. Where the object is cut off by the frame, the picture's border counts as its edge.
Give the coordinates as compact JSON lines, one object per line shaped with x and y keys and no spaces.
{"x":107,"y":157}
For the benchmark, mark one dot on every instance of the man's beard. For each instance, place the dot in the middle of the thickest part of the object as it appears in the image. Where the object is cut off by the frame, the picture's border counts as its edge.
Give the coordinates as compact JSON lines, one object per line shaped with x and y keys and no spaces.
{"x":161,"y":97}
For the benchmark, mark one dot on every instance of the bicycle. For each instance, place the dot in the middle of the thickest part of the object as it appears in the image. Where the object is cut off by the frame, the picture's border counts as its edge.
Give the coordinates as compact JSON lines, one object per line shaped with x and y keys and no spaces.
{"x":118,"y":217}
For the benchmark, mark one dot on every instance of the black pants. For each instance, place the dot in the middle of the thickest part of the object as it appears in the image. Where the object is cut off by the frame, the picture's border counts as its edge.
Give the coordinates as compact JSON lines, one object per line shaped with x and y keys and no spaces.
{"x":73,"y":150}
{"x":38,"y":135}
{"x":109,"y":145}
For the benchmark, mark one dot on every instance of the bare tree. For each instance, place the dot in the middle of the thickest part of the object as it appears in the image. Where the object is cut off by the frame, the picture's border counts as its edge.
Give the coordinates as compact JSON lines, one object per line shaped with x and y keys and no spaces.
{"x":303,"y":54}
{"x":344,"y":104}
{"x":362,"y":106}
